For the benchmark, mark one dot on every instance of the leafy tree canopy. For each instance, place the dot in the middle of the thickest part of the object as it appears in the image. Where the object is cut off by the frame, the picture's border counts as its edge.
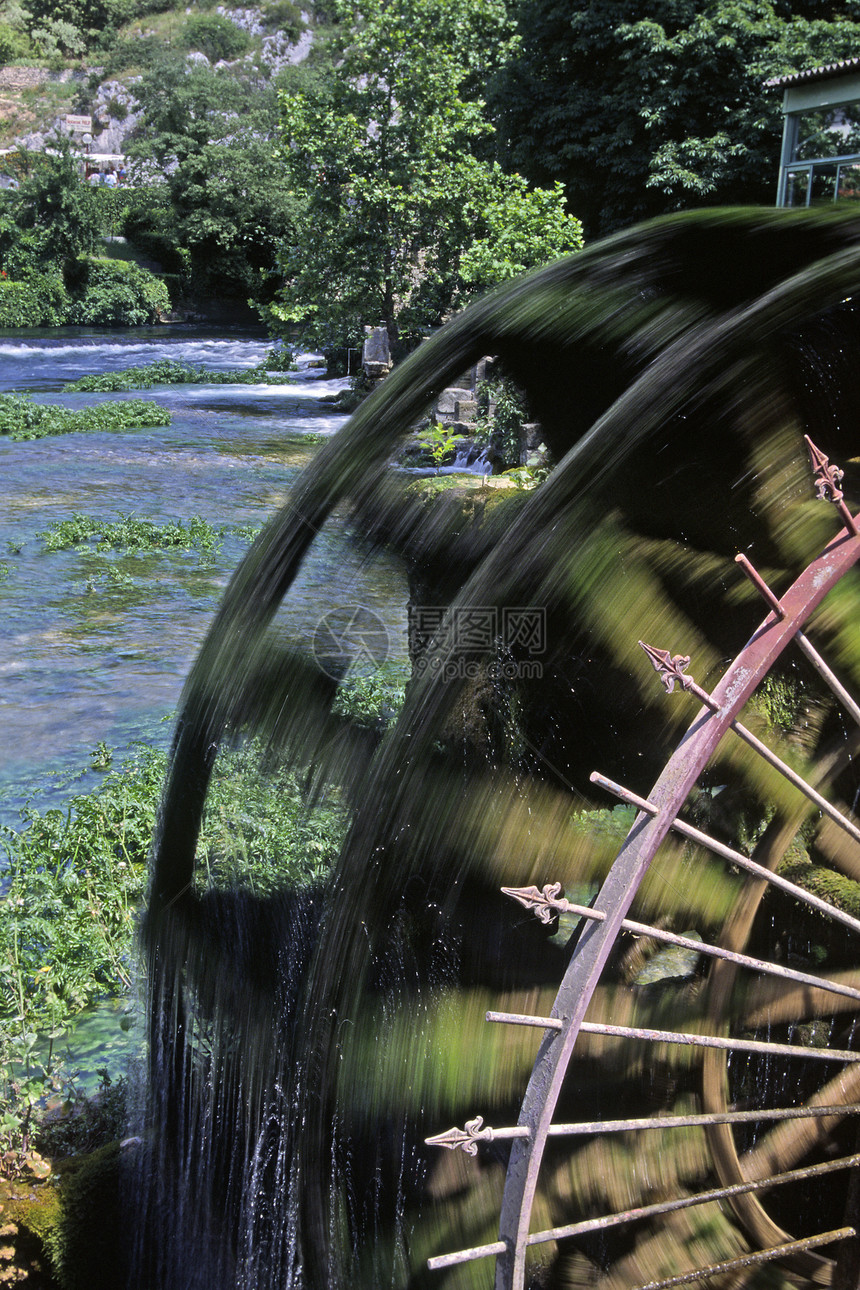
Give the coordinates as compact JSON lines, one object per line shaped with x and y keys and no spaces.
{"x":55,"y":217}
{"x":387,"y":151}
{"x":645,"y":108}
{"x":208,"y":135}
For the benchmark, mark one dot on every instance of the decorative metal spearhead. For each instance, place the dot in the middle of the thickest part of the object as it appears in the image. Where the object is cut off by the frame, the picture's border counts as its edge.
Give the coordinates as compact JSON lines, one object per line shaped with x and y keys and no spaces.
{"x":827,"y":477}
{"x":669,"y":667}
{"x":544,"y":903}
{"x":466,"y":1141}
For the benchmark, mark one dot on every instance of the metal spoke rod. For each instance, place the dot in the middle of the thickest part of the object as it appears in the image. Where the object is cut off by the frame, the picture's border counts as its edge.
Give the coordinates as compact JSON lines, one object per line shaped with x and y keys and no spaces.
{"x":831,"y":811}
{"x":680,"y":1037}
{"x":548,"y":901}
{"x":728,"y":853}
{"x":749,"y":1260}
{"x":847,"y":700}
{"x":476,"y":1131}
{"x":672,"y":670}
{"x":687,"y":1202}
{"x":650,"y":1211}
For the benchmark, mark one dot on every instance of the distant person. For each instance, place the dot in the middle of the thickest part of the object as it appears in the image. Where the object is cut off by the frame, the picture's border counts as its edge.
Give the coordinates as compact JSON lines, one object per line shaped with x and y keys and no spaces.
{"x":110,"y":178}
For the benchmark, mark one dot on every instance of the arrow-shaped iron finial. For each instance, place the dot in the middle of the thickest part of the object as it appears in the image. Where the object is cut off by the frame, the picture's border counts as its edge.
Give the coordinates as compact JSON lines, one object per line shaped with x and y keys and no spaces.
{"x":544,"y":903}
{"x":466,"y":1141}
{"x":827,"y":478}
{"x":671,"y":668}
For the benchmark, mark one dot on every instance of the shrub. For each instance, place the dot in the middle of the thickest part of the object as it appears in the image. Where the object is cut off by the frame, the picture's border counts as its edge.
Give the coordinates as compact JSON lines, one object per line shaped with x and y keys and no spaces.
{"x":284,"y":16}
{"x":41,"y":301}
{"x":119,"y":294}
{"x":216,"y":37}
{"x":13,"y":43}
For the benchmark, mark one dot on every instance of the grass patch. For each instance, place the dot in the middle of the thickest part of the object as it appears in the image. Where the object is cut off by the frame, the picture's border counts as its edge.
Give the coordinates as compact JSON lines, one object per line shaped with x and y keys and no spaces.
{"x":169,"y":371}
{"x":21,"y":418}
{"x":76,"y":877}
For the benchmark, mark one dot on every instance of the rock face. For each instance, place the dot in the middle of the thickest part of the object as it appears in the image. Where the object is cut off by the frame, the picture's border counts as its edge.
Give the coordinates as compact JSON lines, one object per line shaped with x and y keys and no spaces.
{"x":113,"y":112}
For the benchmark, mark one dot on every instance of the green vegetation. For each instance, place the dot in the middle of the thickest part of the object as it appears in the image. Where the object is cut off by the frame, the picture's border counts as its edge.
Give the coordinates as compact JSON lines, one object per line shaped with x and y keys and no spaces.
{"x":215,"y":36}
{"x":422,"y":153}
{"x":131,"y":534}
{"x":40,"y":301}
{"x":502,"y":413}
{"x":400,"y":212}
{"x":371,"y":701}
{"x":75,"y":879}
{"x":207,"y":142}
{"x":21,"y":418}
{"x":169,"y":371}
{"x":49,"y":227}
{"x":436,"y":440}
{"x":638,"y":114}
{"x":113,"y":293}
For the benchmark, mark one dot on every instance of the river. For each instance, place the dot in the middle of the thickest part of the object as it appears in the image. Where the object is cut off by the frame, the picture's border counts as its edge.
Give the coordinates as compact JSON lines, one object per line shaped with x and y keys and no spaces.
{"x":95,"y":648}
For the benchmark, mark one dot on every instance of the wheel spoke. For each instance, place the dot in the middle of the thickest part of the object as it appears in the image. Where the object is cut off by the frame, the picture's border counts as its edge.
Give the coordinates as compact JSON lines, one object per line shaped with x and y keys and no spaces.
{"x":779,"y":1161}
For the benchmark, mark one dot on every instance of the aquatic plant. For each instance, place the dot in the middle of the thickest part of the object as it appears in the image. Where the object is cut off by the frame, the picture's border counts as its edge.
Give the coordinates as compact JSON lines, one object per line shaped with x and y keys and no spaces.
{"x":670,"y":370}
{"x":273,"y":370}
{"x":130,"y":533}
{"x":437,"y":441}
{"x":21,"y":418}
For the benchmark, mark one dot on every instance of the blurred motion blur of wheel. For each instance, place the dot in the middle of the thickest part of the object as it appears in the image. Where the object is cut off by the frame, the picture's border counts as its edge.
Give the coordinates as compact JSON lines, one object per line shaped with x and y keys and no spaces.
{"x":743,"y":1175}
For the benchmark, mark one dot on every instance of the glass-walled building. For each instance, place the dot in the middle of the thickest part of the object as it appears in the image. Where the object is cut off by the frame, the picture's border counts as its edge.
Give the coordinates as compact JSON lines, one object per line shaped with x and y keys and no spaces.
{"x":820,"y":160}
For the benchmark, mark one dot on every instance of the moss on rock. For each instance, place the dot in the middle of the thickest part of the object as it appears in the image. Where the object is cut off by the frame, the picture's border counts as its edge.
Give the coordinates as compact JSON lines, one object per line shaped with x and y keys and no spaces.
{"x":29,"y":1215}
{"x":85,"y":1245}
{"x":825,"y":883}
{"x":65,"y":1233}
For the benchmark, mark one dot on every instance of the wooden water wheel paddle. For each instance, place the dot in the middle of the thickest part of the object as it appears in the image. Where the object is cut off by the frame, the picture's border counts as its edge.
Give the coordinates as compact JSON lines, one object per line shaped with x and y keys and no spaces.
{"x":757,"y":1014}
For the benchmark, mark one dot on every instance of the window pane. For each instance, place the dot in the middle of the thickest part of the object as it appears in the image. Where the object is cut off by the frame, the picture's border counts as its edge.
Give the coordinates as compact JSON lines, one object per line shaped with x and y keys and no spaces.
{"x":849,"y":183}
{"x":823,"y":185}
{"x":829,"y":132}
{"x":796,"y":187}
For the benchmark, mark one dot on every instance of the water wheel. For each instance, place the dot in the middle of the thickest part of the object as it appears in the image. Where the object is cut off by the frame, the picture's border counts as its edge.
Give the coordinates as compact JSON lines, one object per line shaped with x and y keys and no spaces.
{"x":766,"y":1028}
{"x":688,"y":322}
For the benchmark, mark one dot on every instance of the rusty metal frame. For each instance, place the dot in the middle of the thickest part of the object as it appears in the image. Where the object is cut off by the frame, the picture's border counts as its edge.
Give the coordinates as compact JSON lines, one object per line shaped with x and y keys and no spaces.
{"x":616,"y":895}
{"x":655,"y":818}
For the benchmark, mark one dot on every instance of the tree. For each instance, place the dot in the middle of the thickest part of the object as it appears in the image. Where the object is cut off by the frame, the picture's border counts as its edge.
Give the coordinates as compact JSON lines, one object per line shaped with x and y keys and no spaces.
{"x":385,"y":153}
{"x":641,"y":109}
{"x":58,"y":214}
{"x":208,"y":134}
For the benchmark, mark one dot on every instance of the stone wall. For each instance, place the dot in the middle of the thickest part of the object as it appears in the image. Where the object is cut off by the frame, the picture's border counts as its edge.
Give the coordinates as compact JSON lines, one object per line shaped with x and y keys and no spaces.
{"x":28,"y":78}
